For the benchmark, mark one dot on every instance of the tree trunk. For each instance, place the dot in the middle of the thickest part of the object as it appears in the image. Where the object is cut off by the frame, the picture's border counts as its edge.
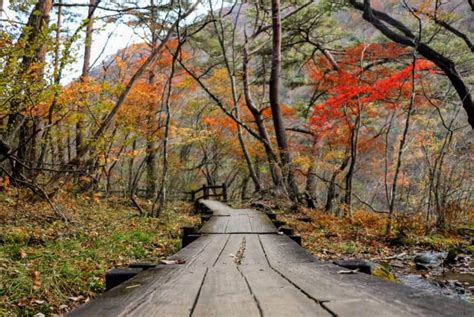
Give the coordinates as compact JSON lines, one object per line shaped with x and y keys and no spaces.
{"x":353,"y":160}
{"x":402,"y":148}
{"x":163,"y":194}
{"x":310,"y":189}
{"x":32,"y":34}
{"x":85,"y":71}
{"x":274,"y":88}
{"x":258,"y":117}
{"x":332,"y":185}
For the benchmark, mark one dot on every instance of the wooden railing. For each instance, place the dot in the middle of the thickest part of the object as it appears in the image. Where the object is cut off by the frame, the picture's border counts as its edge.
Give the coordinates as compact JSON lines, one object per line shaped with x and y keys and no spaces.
{"x":209,"y":191}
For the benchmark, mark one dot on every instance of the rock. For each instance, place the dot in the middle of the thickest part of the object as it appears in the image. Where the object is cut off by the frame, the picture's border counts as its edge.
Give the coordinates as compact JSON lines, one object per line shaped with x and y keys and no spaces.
{"x":425,"y":258}
{"x":428,"y":260}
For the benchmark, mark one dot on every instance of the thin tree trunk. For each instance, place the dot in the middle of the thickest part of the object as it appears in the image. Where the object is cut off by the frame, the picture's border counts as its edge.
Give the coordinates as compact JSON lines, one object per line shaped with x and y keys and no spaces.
{"x":259,"y":121}
{"x":401,"y":149}
{"x":85,"y":71}
{"x":57,"y":80}
{"x":164,"y":173}
{"x":332,"y":184}
{"x":32,"y":35}
{"x":274,"y":88}
{"x":151,"y":147}
{"x":131,"y":164}
{"x":353,"y":161}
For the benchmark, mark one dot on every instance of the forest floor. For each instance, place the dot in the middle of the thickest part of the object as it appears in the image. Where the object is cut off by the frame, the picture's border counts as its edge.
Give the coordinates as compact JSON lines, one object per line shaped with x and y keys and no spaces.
{"x":49,"y":266}
{"x":333,"y":239}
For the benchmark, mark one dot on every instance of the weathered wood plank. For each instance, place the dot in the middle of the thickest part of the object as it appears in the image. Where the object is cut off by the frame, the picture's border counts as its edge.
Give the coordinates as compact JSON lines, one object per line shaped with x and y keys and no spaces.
{"x":122,"y":298}
{"x":202,"y":254}
{"x":230,"y":251}
{"x":249,"y":247}
{"x":216,"y":225}
{"x":343,"y":291}
{"x":218,"y":208}
{"x":253,"y":254}
{"x":174,"y":298}
{"x":238,"y":224}
{"x":363,"y":307}
{"x":260,"y":223}
{"x":277,"y":297}
{"x":281,"y":249}
{"x":225,"y":293}
{"x":308,"y":277}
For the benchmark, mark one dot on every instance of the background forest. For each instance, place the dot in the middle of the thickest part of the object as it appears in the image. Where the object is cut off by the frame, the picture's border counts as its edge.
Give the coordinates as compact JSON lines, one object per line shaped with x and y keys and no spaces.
{"x":357,"y":114}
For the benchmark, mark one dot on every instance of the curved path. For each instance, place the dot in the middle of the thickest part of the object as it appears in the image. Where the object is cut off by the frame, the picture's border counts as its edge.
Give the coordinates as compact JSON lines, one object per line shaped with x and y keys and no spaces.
{"x":241,"y":266}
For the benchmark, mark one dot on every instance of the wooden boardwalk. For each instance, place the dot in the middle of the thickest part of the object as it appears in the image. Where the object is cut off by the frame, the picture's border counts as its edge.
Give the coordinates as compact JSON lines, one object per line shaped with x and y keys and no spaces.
{"x":241,"y":266}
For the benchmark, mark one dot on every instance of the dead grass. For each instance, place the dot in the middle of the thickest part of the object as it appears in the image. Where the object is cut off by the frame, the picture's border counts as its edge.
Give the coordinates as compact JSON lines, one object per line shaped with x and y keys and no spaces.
{"x":330,"y":237}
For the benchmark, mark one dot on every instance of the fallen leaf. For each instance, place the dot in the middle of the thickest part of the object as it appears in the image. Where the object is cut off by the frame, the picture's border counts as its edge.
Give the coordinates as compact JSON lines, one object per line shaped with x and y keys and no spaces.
{"x":36,"y":276}
{"x":76,"y":298}
{"x":23,"y":254}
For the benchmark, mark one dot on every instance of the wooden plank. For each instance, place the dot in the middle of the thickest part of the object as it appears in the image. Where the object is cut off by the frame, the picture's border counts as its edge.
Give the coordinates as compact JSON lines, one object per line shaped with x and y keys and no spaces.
{"x":123,"y":297}
{"x":278,"y":297}
{"x":248,"y":245}
{"x":215,"y":225}
{"x":343,"y":291}
{"x":363,"y":307}
{"x":281,"y":249}
{"x":239,"y":224}
{"x":229,"y":253}
{"x":316,"y":282}
{"x":225,"y":293}
{"x":260,"y":223}
{"x":244,"y":212}
{"x":253,"y":254}
{"x":190,"y":251}
{"x":174,"y":298}
{"x":218,"y":208}
{"x":410,"y":300}
{"x":204,"y":254}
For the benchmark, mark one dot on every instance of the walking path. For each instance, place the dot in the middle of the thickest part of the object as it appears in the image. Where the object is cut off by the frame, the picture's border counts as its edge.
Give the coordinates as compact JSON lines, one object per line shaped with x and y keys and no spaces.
{"x":241,"y":266}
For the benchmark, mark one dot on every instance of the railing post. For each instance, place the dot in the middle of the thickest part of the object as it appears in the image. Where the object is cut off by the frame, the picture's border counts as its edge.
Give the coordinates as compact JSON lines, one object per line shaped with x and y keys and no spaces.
{"x":193,"y":196}
{"x":206,"y":191}
{"x":224,"y":192}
